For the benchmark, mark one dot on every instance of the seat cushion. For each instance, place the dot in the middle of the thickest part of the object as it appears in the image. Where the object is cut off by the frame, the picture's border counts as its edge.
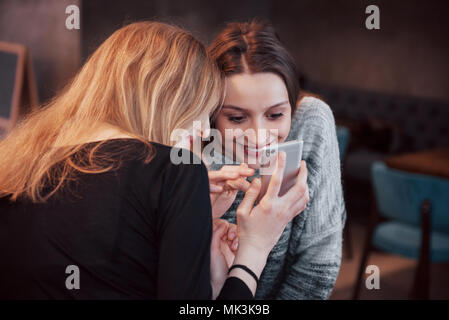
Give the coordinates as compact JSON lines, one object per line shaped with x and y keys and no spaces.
{"x":405,"y":240}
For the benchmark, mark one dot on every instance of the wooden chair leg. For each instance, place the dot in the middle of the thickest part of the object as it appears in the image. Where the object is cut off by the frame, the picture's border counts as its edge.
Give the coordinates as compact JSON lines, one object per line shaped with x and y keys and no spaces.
{"x":373,"y":220}
{"x":363,"y":261}
{"x":348,"y":240}
{"x":421,"y":283}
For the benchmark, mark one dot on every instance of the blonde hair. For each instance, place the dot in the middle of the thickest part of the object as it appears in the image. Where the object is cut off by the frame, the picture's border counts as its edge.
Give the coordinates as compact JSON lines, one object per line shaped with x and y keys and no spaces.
{"x":146,"y":79}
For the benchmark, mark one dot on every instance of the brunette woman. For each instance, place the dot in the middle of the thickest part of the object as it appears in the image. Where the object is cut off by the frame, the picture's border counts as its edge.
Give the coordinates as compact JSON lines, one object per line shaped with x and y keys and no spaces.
{"x":262,"y":92}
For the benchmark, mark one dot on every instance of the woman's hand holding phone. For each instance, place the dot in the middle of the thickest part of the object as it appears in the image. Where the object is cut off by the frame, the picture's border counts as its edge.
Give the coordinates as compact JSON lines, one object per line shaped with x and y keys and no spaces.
{"x":260,"y":227}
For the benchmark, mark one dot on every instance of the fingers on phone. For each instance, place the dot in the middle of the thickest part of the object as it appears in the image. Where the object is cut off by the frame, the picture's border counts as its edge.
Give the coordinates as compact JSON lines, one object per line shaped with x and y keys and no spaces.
{"x":235,"y":244}
{"x":276,"y":179}
{"x":230,"y":178}
{"x":299,"y":189}
{"x":216,"y":188}
{"x":223,"y":175}
{"x":237,"y":184}
{"x":250,"y":197}
{"x":245,"y":171}
{"x":300,"y":205}
{"x":242,"y":170}
{"x":219,"y":230}
{"x":302,"y":175}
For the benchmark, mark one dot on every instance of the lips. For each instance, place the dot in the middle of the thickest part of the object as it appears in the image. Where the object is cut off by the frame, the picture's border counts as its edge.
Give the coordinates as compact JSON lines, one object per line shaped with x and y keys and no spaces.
{"x":254,"y":152}
{"x":250,"y":151}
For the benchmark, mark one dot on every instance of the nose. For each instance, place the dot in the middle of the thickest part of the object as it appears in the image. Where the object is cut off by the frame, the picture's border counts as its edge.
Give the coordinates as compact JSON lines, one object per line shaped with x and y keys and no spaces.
{"x":261,"y":135}
{"x":204,"y":130}
{"x":205,"y":133}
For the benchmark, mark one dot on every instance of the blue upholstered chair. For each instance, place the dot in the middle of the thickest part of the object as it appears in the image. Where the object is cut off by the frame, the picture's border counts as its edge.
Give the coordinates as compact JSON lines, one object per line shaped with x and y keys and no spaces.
{"x":343,"y":136}
{"x":410,"y":218}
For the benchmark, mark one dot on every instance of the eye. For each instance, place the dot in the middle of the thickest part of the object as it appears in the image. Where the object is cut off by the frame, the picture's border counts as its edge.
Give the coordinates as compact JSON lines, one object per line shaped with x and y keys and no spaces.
{"x":275,"y":116}
{"x":236,"y":119}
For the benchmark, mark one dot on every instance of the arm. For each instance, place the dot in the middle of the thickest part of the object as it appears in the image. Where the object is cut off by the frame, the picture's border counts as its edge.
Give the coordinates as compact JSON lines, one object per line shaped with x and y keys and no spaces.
{"x":317,"y":241}
{"x":260,"y":227}
{"x":184,"y":229}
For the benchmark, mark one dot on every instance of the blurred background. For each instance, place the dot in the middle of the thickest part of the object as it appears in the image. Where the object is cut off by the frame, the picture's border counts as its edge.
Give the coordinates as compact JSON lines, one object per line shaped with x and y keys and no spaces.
{"x":388,"y":89}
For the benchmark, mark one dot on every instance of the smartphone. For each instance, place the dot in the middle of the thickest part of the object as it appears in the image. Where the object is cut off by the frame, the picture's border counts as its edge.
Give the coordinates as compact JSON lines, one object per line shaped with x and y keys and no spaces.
{"x":293,"y":151}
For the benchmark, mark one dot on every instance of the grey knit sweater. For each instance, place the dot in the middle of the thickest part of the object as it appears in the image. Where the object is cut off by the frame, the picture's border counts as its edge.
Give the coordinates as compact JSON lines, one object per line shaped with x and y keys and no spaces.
{"x":305,"y":262}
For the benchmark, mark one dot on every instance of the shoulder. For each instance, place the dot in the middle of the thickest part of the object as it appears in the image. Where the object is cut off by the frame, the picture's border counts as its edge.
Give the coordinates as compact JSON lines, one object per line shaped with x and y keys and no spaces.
{"x":154,"y":162}
{"x":163,"y":157}
{"x":312,"y":115}
{"x":314,"y":123}
{"x":180,"y":166}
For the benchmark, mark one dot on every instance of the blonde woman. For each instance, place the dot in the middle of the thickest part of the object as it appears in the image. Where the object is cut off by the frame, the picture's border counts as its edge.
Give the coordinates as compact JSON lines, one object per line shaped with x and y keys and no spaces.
{"x":91,"y":205}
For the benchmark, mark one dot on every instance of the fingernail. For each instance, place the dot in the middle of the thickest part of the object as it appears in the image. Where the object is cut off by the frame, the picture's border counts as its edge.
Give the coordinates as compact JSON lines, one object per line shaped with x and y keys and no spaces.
{"x":232,"y":236}
{"x":235,"y":246}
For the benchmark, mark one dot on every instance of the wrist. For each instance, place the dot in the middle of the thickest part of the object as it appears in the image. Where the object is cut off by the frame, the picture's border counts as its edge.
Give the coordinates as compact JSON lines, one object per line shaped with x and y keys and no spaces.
{"x":254,"y":247}
{"x":252,"y":257}
{"x":217,"y":285}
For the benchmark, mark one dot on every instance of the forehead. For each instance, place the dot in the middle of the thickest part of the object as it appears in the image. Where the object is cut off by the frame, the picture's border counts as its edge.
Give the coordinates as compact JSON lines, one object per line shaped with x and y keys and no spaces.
{"x":253,"y":91}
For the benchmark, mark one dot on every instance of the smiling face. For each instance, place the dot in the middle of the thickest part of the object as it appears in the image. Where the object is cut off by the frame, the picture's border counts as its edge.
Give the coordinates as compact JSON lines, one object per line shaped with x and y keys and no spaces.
{"x":254,"y":101}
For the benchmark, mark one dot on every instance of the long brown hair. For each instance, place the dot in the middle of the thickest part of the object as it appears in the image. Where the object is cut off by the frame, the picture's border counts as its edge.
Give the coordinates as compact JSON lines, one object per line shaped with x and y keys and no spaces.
{"x":254,"y":47}
{"x":146,"y":79}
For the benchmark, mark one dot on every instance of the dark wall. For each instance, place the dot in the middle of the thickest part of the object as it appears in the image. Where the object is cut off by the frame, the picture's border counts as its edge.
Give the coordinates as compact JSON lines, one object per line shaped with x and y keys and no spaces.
{"x":409,"y":55}
{"x":40,"y":25}
{"x":203,"y":18}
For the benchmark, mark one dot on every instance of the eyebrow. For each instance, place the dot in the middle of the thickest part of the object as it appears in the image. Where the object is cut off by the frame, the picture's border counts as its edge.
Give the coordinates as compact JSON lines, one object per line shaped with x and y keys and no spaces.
{"x":229,"y":106}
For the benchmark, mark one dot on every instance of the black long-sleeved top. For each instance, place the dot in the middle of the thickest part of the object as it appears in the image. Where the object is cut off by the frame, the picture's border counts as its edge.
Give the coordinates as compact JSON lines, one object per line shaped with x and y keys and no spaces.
{"x":141,"y":231}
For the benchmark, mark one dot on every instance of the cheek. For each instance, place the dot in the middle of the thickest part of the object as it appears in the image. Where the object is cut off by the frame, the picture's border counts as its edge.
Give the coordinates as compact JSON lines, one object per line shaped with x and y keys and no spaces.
{"x":220,"y":125}
{"x":283,"y":128}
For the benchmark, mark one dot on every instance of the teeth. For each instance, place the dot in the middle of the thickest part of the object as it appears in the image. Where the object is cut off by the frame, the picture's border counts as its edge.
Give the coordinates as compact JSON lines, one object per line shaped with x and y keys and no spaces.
{"x":256,"y":150}
{"x":252,"y":150}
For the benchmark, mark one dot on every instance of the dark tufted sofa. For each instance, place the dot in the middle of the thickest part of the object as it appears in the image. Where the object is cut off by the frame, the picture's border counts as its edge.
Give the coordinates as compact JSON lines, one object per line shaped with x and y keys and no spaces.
{"x":380,"y":125}
{"x":384,"y":124}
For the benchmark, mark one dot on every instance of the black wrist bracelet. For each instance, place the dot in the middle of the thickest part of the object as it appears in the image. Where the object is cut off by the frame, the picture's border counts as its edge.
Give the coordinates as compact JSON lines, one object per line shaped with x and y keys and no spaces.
{"x":241,"y":266}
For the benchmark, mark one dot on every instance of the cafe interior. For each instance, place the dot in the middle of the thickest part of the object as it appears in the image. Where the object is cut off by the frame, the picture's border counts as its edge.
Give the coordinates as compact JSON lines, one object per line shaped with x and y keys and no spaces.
{"x":388,"y":89}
